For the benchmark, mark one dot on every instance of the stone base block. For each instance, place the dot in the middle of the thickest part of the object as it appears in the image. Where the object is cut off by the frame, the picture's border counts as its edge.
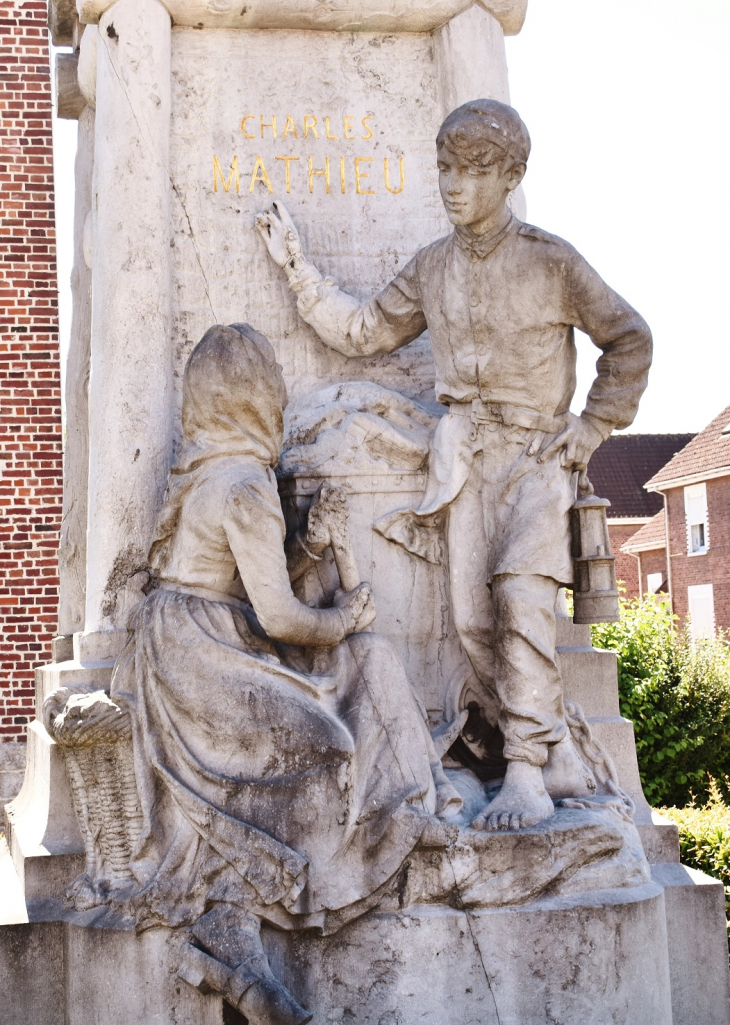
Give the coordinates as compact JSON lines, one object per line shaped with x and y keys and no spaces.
{"x":589,"y":677}
{"x":596,"y":959}
{"x":63,"y":968}
{"x":12,"y":767}
{"x":697,"y":932}
{"x":650,"y":955}
{"x":660,"y":839}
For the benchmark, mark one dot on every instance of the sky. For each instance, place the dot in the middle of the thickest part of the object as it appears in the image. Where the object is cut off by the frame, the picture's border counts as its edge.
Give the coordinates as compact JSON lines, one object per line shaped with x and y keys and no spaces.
{"x":627,"y":104}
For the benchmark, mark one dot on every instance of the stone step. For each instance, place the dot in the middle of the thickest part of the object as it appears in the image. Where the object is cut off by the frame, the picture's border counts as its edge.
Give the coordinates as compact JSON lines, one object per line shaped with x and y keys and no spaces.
{"x":572,"y":635}
{"x":694,"y":905}
{"x":12,"y":901}
{"x":616,"y":734}
{"x":589,"y":678}
{"x":660,"y":839}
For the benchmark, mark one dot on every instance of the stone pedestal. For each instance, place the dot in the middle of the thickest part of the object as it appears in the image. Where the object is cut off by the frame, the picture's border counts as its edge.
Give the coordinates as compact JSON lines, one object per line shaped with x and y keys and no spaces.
{"x":600,"y":959}
{"x":181,"y":153}
{"x":642,"y":956}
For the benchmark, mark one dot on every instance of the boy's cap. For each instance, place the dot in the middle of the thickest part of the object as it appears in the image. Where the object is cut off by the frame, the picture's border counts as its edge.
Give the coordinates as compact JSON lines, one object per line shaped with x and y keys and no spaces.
{"x":475,"y":127}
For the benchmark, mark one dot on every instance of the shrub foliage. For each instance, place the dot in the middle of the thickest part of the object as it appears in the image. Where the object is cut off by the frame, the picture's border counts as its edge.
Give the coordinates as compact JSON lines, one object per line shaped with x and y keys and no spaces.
{"x":704,"y":837}
{"x":677,"y":692}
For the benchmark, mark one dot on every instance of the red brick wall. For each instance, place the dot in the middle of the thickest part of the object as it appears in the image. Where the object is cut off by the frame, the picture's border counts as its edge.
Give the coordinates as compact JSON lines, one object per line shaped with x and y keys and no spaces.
{"x":30,"y":409}
{"x":712,"y":568}
{"x":627,"y":570}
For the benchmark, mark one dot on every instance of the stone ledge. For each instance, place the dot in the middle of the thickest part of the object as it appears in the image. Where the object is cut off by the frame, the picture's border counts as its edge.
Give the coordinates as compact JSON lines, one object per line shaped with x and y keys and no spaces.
{"x":697,"y":943}
{"x":351,"y":16}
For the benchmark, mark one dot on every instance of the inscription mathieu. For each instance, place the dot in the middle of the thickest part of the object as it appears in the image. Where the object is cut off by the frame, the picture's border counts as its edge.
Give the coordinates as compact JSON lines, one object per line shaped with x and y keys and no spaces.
{"x":328,"y":172}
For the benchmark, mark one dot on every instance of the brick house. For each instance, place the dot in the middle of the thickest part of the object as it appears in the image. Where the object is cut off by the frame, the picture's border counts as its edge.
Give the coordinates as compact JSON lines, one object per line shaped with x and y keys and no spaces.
{"x":30,"y":412}
{"x":695,"y":487}
{"x":648,"y":546}
{"x":618,"y":470}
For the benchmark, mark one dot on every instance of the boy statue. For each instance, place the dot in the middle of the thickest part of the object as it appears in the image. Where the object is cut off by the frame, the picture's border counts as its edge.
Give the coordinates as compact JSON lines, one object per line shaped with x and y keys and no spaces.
{"x":501,"y":300}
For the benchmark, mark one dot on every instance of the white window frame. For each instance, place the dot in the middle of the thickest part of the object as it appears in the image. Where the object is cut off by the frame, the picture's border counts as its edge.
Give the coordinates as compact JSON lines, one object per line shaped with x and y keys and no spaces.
{"x":702,"y":620}
{"x":695,"y":512}
{"x":654,"y":581}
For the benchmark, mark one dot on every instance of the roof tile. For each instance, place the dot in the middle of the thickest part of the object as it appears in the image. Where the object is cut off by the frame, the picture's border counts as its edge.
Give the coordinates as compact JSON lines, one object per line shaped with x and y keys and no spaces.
{"x":652,"y":533}
{"x":621,"y":466}
{"x":708,"y":452}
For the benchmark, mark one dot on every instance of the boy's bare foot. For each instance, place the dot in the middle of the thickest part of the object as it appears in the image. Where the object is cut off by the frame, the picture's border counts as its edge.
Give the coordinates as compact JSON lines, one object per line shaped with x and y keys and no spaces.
{"x":565,"y":774}
{"x":522,"y":802}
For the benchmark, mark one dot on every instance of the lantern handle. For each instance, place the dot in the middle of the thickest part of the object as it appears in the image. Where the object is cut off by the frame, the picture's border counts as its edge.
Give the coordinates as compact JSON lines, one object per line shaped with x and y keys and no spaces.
{"x":584,"y":485}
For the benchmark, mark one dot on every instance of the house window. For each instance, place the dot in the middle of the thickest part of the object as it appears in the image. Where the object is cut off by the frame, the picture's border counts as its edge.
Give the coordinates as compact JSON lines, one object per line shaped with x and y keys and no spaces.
{"x":654,"y":581}
{"x":701,"y":610}
{"x":695,"y":507}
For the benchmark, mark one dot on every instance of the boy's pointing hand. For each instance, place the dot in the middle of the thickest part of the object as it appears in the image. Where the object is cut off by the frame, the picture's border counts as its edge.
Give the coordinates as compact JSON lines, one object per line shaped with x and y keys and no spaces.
{"x":278,"y":231}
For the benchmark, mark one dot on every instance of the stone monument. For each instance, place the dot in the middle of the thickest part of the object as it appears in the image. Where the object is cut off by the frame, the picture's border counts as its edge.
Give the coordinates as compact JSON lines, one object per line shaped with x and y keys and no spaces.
{"x":320,"y":741}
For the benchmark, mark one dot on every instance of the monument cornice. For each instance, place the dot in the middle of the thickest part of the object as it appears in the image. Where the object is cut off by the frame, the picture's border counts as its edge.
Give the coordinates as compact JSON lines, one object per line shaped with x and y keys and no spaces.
{"x":334,"y":15}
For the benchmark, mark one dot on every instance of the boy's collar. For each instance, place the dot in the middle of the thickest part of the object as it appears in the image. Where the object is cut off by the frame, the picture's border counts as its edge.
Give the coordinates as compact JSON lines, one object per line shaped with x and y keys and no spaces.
{"x":481,"y":246}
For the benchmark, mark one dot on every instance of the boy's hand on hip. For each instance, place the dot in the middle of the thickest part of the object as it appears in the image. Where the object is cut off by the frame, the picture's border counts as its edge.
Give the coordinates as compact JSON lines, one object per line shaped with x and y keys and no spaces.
{"x":576,"y":442}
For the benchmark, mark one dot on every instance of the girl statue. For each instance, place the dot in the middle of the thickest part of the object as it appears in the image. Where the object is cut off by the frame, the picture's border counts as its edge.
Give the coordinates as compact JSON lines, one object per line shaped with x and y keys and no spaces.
{"x":284,"y":766}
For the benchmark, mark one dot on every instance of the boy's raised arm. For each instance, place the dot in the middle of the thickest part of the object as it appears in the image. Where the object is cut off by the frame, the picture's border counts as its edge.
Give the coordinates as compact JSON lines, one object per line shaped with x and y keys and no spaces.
{"x":387,"y":322}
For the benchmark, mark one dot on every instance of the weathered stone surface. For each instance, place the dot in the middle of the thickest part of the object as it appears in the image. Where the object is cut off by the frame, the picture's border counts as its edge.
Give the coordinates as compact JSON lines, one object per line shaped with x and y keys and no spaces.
{"x":69,"y":99}
{"x":62,"y":21}
{"x":257,"y":787}
{"x":72,"y":544}
{"x":12,"y":767}
{"x":32,"y":978}
{"x":347,"y":16}
{"x":87,"y":68}
{"x":42,"y":829}
{"x":599,"y":959}
{"x":130,"y":426}
{"x":695,"y":913}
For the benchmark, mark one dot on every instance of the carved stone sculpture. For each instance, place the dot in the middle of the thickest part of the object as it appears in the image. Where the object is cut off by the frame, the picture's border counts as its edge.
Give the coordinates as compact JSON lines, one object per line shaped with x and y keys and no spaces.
{"x":501,"y":300}
{"x":96,"y":736}
{"x":283,"y":770}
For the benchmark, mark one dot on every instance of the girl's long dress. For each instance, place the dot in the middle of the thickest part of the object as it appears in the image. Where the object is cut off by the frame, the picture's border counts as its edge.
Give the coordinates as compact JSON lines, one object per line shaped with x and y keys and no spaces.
{"x":290,"y":777}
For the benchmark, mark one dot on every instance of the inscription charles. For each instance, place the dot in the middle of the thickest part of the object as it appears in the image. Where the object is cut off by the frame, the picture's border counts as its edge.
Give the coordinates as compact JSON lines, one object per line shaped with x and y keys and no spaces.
{"x":328,"y":172}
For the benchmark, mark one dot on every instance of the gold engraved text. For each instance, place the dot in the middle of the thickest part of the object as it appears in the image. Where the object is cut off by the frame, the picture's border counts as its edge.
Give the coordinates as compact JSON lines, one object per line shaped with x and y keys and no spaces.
{"x":326,"y":174}
{"x":362,"y":174}
{"x":259,"y":177}
{"x":218,"y":170}
{"x":289,"y":128}
{"x":287,"y":173}
{"x":309,"y":125}
{"x":366,"y":181}
{"x":387,"y":181}
{"x":271,"y":124}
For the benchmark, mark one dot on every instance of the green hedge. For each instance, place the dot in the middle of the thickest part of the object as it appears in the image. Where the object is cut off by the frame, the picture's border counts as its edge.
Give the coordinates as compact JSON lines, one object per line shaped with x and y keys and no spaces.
{"x":677,"y":693}
{"x":704,"y":837}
